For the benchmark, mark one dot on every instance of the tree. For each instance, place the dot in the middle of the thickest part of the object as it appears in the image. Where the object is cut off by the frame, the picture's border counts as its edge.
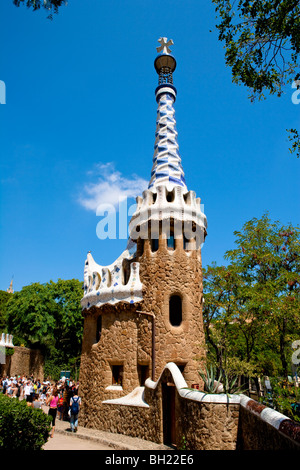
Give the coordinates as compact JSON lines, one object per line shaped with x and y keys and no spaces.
{"x":4,"y":298}
{"x":231,"y":329}
{"x":30,"y":316}
{"x":262,"y":44}
{"x":219,"y":309}
{"x":68,"y":318}
{"x":268,"y":259}
{"x":251,"y":309}
{"x":48,"y":316}
{"x":50,"y":5}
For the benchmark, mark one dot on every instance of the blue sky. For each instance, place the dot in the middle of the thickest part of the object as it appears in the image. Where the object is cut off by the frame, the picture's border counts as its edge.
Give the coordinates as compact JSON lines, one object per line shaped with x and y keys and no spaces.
{"x":79,"y":124}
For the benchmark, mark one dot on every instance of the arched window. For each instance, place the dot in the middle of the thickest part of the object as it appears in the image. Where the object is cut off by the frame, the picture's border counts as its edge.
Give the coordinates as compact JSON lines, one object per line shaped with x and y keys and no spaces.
{"x":170,"y":196}
{"x":154,"y":244}
{"x":175,"y":310}
{"x":171,"y":242}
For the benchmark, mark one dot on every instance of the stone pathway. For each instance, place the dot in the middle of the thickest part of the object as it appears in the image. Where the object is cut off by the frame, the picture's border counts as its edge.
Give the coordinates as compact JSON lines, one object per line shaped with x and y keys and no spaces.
{"x":60,"y":441}
{"x":91,"y":439}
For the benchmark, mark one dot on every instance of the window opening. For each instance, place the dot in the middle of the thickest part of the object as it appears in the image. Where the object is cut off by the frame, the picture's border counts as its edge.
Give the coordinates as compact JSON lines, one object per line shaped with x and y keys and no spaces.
{"x":187,"y":244}
{"x":175,"y":310}
{"x":171,"y":242}
{"x":99,"y":328}
{"x":117,"y":374}
{"x":170,"y":196}
{"x":154,"y":244}
{"x":143,"y":373}
{"x":181,"y":367}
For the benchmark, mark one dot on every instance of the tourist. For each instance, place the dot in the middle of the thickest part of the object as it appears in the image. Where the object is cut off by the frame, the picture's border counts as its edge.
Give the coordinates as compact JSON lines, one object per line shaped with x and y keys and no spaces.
{"x":37,"y":404}
{"x":8,"y":386}
{"x":75,"y":403}
{"x":28,"y":393}
{"x":66,"y":402}
{"x":52,"y":401}
{"x":60,"y":405}
{"x":44,"y":392}
{"x":13,"y":388}
{"x":18,"y":389}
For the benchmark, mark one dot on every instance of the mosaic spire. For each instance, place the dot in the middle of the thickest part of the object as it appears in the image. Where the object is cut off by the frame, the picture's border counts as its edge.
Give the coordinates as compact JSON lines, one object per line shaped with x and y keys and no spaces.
{"x":167,"y":169}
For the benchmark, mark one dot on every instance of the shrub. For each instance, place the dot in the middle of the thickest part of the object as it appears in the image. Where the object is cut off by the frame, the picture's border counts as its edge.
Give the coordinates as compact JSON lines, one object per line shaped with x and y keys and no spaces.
{"x":286,"y":398}
{"x":21,"y":426}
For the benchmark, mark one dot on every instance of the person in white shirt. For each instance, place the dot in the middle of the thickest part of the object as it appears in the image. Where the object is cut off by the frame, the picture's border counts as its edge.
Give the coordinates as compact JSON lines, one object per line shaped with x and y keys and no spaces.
{"x":28,"y":393}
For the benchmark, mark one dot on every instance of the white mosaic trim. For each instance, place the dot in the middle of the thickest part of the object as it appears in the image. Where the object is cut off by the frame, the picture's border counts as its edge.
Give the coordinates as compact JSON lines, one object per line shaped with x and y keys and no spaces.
{"x":114,"y":387}
{"x":135,"y":398}
{"x":104,"y":284}
{"x":6,"y":340}
{"x":154,"y":206}
{"x":194,"y":395}
{"x":270,"y":416}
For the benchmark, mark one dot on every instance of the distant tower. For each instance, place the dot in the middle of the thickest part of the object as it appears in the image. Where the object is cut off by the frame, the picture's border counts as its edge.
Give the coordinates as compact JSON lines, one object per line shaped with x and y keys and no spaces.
{"x":10,"y":290}
{"x":145,"y":309}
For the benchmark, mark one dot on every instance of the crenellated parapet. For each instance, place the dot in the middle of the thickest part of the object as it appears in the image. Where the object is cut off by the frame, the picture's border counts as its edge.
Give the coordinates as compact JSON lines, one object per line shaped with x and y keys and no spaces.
{"x":6,"y":340}
{"x":118,"y":282}
{"x":177,"y":206}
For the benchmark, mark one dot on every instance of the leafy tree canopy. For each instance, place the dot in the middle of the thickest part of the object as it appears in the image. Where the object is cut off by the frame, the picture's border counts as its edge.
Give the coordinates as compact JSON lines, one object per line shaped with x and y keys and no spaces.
{"x":262,"y":43}
{"x":4,"y":298}
{"x":51,"y":6}
{"x":251,"y":309}
{"x":48,"y":316}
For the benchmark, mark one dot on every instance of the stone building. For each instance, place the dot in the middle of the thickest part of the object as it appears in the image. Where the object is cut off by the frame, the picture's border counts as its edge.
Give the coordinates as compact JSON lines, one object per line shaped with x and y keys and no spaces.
{"x":145,"y":309}
{"x":143,"y":339}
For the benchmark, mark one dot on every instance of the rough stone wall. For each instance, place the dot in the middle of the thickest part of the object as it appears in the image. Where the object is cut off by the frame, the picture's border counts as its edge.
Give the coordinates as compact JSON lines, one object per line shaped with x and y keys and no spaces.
{"x":255,"y":433}
{"x":125,"y":341}
{"x":198,"y":426}
{"x":145,"y":423}
{"x":24,"y":361}
{"x":207,"y":426}
{"x":174,"y":272}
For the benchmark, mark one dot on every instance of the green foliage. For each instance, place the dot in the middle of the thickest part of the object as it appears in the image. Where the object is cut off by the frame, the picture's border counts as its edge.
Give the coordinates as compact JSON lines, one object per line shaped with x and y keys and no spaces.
{"x":50,"y":5}
{"x":21,"y":426}
{"x":294,"y":137}
{"x":183,"y":443}
{"x":9,"y":351}
{"x":4,"y":298}
{"x":221,"y":382}
{"x":210,"y":380}
{"x":262,"y":43}
{"x":251,"y":309}
{"x":48,"y":316}
{"x":284,"y":396}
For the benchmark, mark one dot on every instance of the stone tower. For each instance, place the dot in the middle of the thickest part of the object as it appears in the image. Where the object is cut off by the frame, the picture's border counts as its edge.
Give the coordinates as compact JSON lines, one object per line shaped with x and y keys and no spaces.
{"x":145,"y":309}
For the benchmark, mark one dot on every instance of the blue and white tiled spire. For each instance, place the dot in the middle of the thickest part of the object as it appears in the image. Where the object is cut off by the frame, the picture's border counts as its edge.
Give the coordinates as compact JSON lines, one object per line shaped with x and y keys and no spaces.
{"x":167,"y":169}
{"x":167,"y":197}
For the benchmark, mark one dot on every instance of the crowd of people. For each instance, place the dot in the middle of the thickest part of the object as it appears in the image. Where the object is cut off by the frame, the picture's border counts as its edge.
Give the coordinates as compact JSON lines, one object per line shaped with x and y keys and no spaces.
{"x":60,"y":397}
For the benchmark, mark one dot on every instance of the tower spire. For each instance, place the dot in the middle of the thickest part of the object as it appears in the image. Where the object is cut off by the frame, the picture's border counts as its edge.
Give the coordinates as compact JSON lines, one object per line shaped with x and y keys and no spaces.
{"x":167,"y":169}
{"x":10,"y":290}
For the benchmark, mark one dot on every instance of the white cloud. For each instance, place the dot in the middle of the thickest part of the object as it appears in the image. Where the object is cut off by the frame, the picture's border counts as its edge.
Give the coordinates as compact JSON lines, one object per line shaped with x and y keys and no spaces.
{"x":111,"y":187}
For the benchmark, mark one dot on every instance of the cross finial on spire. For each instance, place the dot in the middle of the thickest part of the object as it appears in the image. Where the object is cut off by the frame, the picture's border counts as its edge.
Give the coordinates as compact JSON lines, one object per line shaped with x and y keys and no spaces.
{"x":164,"y":45}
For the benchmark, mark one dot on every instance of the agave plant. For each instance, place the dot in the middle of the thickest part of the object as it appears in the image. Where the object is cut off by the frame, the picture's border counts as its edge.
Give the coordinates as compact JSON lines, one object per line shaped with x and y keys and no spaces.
{"x":225,"y":383}
{"x":211,"y":382}
{"x":230,"y":384}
